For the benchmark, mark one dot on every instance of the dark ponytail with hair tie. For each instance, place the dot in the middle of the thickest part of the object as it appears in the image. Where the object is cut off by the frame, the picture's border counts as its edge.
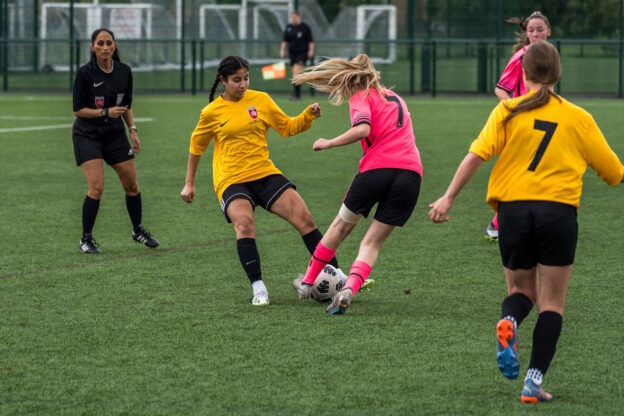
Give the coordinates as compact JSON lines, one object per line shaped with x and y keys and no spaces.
{"x":228,"y":66}
{"x":542,"y":65}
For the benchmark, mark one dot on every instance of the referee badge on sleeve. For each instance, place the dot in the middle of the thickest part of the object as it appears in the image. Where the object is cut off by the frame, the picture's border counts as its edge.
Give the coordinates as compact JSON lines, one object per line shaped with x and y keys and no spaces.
{"x":99,"y":102}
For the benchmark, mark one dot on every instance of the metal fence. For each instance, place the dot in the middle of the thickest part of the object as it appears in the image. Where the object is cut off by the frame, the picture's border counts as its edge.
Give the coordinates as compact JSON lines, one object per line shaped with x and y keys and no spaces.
{"x":422,"y":66}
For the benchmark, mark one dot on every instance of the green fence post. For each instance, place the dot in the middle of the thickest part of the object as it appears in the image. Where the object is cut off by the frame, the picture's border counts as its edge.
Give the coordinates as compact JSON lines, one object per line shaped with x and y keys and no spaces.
{"x":201,"y":65}
{"x":36,"y":35}
{"x":499,"y":33}
{"x":77,"y":55}
{"x":193,"y":69}
{"x":71,"y":44}
{"x":621,"y":47}
{"x":410,"y":45}
{"x":5,"y":48}
{"x":558,"y":87}
{"x":182,"y":47}
{"x":425,"y":56}
{"x":481,"y":67}
{"x":434,"y":68}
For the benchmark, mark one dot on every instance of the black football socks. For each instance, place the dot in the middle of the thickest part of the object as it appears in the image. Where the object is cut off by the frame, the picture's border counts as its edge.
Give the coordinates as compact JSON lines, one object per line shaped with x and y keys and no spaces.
{"x":249,"y":258}
{"x":133,"y":205}
{"x":90,"y":209}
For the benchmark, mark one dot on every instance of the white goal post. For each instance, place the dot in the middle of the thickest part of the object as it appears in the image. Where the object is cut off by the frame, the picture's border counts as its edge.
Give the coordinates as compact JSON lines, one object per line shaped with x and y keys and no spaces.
{"x":366,"y":17}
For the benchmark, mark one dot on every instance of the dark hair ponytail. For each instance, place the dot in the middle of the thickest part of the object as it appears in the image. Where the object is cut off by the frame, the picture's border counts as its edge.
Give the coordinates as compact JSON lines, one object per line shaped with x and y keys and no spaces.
{"x":521,"y":37}
{"x":95,"y":34}
{"x":228,"y":66}
{"x":542,"y":65}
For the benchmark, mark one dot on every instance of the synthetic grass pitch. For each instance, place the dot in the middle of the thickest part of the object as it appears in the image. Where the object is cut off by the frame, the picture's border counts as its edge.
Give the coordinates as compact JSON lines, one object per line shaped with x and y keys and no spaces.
{"x":172,"y":331}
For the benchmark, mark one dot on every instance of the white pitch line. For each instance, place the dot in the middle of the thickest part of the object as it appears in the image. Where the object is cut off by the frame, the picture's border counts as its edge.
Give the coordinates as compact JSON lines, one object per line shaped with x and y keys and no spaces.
{"x":26,"y":118}
{"x":59,"y":126}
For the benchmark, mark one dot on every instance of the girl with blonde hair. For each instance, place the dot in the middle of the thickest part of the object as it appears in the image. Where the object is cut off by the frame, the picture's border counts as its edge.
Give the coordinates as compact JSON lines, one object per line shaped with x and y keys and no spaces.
{"x":389,"y":173}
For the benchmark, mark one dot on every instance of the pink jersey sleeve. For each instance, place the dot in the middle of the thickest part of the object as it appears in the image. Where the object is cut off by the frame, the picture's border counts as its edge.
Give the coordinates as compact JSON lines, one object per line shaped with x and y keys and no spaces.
{"x":511,"y":79}
{"x":359,"y":109}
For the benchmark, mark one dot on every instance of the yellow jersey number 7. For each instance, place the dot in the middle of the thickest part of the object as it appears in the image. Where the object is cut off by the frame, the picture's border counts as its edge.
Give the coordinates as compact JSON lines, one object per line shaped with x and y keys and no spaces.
{"x":549,"y":129}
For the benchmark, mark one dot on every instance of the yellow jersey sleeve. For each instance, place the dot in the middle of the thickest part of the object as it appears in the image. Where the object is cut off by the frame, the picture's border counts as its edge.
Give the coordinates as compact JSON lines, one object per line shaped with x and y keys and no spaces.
{"x":599,"y":155}
{"x":491,"y":140}
{"x":285,"y":125}
{"x":202,"y":134}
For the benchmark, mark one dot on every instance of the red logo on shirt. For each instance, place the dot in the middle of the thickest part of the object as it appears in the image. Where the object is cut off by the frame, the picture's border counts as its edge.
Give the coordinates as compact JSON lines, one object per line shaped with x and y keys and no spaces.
{"x":99,"y":102}
{"x":253,"y":112}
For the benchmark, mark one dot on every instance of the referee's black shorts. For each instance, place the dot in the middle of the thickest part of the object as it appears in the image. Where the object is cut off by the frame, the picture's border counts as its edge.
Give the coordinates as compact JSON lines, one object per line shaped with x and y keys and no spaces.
{"x":532,"y":232}
{"x":395,"y":190}
{"x":264,"y":192}
{"x":100,"y":142}
{"x":298,"y":58}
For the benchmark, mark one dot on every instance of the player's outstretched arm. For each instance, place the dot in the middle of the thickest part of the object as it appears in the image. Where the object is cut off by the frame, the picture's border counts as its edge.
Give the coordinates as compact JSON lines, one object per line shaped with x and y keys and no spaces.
{"x":350,"y":136}
{"x":467,"y":168}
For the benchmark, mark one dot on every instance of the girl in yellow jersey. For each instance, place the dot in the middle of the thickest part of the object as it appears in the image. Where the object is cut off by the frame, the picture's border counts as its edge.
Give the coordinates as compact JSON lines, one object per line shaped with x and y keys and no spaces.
{"x":243,"y":174}
{"x":544,"y":144}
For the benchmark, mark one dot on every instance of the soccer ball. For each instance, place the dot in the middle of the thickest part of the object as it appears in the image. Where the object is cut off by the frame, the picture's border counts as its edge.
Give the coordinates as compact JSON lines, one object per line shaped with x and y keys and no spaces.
{"x":326,"y":285}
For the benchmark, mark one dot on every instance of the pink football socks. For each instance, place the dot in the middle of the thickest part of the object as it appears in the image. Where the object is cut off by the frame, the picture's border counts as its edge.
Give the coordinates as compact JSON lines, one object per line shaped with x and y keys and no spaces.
{"x":358,"y":274}
{"x":322,"y":255}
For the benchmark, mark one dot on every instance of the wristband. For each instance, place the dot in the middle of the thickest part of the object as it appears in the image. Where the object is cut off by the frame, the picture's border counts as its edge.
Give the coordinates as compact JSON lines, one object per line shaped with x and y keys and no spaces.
{"x":132,"y":127}
{"x":104,"y":112}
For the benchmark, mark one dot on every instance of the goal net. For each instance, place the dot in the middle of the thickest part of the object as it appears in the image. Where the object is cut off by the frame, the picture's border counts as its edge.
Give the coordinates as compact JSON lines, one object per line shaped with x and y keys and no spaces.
{"x":134,"y":26}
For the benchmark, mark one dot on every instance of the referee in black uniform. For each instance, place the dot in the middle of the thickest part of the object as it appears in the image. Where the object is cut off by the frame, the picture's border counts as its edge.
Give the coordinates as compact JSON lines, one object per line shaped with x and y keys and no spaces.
{"x":102,"y":97}
{"x":298,"y":37}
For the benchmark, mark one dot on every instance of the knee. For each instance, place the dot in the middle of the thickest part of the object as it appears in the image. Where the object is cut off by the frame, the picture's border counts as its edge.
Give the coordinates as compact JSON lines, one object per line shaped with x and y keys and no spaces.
{"x":244,"y":227}
{"x":96,"y":190}
{"x":307,"y":222}
{"x":131,"y":188}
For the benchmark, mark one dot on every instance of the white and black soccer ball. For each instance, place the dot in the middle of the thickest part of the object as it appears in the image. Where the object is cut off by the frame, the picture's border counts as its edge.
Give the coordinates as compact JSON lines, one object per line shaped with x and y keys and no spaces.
{"x":326,"y":285}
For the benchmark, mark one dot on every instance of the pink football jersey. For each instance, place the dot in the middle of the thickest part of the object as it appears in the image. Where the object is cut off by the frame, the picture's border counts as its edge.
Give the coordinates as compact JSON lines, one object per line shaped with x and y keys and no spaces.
{"x":391,"y":142}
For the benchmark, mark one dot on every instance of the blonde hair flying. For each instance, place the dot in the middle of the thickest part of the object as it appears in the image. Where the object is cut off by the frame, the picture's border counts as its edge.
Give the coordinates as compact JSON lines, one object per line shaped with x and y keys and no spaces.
{"x":342,"y":78}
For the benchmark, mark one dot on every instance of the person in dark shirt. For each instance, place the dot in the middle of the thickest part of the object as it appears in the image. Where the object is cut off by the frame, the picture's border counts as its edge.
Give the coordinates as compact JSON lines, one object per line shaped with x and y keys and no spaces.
{"x":102,"y":98}
{"x":298,"y":37}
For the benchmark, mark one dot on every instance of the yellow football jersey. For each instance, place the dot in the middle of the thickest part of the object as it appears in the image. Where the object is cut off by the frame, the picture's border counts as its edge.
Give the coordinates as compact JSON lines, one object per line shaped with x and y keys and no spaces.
{"x":239,"y":131}
{"x":543,"y":153}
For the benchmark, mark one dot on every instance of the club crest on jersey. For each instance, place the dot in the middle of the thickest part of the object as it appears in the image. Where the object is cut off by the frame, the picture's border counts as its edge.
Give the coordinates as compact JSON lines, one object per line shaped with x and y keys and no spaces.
{"x":99,"y":102}
{"x":253,"y":112}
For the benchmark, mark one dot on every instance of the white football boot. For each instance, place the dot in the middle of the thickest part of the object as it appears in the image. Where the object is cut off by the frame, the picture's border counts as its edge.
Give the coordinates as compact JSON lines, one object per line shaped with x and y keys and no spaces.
{"x":260,"y":299}
{"x":303,"y":290}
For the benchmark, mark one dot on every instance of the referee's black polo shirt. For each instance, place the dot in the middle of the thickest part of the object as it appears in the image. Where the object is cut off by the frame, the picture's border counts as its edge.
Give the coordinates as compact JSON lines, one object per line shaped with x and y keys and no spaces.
{"x":94,"y":88}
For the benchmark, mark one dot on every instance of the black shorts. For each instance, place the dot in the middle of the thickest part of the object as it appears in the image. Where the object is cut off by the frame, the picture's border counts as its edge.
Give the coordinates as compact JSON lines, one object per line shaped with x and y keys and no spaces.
{"x":298,"y":58}
{"x":94,"y":142}
{"x":532,"y":232}
{"x":396,"y":191}
{"x":263,"y":192}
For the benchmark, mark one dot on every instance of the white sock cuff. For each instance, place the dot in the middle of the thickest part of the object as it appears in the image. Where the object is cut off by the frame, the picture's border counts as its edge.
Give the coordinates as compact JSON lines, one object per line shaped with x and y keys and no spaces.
{"x":258,"y":286}
{"x":512,"y":319}
{"x":535,"y":375}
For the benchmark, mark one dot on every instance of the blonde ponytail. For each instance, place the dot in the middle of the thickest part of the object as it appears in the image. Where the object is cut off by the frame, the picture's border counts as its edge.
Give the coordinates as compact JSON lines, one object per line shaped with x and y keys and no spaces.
{"x":342,"y":78}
